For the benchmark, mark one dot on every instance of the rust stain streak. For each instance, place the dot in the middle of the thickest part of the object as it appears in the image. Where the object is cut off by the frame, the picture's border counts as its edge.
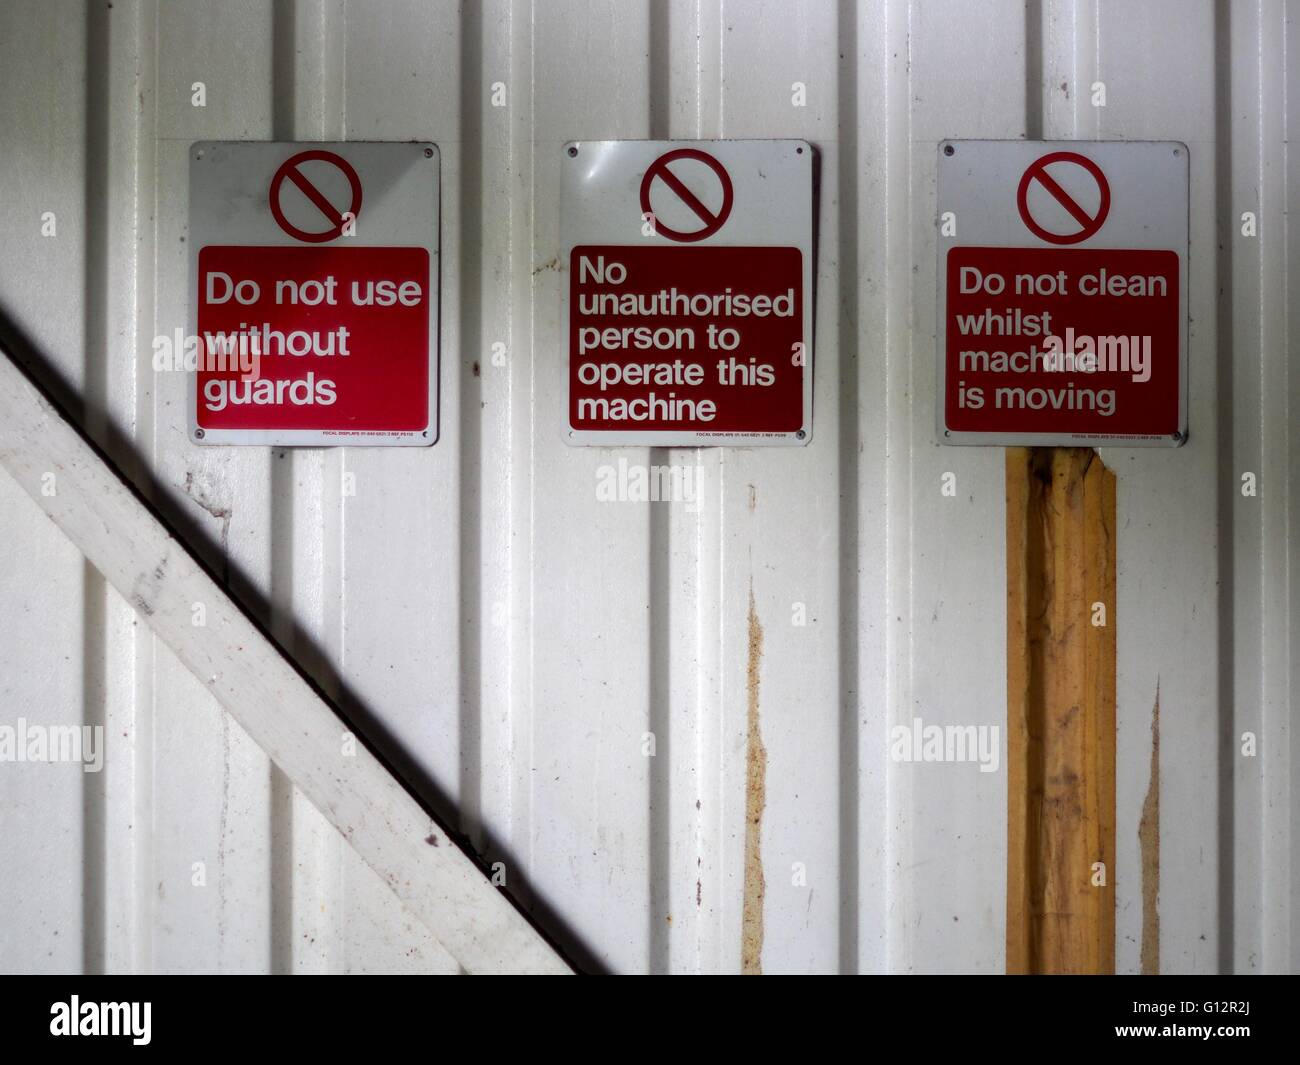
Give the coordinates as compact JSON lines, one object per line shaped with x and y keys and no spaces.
{"x":1149,"y":843}
{"x":751,"y":920}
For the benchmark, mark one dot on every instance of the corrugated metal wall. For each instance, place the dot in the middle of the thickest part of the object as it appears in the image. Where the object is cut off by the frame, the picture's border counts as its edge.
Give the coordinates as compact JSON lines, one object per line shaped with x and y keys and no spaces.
{"x":514,"y":636}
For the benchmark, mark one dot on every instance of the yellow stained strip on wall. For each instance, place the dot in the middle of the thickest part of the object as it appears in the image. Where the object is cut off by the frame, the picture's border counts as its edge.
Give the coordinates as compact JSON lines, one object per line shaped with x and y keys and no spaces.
{"x":1060,"y":711}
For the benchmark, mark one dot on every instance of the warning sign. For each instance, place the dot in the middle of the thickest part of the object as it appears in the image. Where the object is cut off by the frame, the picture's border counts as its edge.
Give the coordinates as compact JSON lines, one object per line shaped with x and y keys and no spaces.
{"x":688,"y":297}
{"x":1089,"y":221}
{"x":660,"y":171}
{"x":314,"y":270}
{"x":1063,"y":293}
{"x":291,"y":170}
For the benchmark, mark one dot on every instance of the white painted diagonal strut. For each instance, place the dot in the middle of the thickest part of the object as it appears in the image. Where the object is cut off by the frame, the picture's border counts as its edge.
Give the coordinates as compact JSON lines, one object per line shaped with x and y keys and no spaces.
{"x":250,"y":677}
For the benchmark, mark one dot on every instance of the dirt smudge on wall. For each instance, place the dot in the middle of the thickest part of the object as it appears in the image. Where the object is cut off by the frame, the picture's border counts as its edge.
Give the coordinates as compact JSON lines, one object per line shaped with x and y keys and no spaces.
{"x":1149,"y":844}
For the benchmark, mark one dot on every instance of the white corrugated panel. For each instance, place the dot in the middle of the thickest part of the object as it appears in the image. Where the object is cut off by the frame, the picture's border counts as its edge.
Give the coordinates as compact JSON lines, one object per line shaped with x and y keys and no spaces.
{"x":510,"y":637}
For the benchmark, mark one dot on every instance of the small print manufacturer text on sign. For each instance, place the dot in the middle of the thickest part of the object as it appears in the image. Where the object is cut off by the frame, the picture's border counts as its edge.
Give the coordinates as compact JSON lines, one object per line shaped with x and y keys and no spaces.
{"x":688,"y":295}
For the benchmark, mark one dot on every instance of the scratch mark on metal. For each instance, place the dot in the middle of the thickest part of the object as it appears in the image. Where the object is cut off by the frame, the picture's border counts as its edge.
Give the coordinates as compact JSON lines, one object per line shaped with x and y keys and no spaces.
{"x":1149,"y":843}
{"x":751,"y":920}
{"x":222,"y":514}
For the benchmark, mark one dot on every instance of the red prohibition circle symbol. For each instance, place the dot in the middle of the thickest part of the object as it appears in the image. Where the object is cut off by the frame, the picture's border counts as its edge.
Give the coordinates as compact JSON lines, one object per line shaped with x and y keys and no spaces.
{"x":712,"y":222}
{"x":337,"y":219}
{"x":1089,"y":223}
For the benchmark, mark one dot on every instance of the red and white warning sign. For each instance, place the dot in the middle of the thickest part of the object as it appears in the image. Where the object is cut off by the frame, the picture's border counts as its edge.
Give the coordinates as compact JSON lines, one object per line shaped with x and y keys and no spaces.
{"x":1063,"y":292}
{"x":314,"y":270}
{"x":689,"y":296}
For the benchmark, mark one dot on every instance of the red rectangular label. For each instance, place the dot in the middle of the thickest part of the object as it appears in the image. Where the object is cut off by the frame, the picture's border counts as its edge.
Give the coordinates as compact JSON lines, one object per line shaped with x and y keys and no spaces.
{"x":702,"y":340}
{"x":340,"y":335}
{"x":1003,"y":304}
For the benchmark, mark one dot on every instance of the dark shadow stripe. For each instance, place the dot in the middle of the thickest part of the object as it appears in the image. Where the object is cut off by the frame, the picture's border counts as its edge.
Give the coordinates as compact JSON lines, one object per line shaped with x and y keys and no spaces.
{"x":280,"y":479}
{"x":93,"y":414}
{"x":847,"y":178}
{"x":1034,"y":72}
{"x":1225,"y":231}
{"x":469,"y":413}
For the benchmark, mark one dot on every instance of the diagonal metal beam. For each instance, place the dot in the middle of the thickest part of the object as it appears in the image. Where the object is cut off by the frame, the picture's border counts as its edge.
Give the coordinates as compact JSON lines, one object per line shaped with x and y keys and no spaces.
{"x":251,"y":678}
